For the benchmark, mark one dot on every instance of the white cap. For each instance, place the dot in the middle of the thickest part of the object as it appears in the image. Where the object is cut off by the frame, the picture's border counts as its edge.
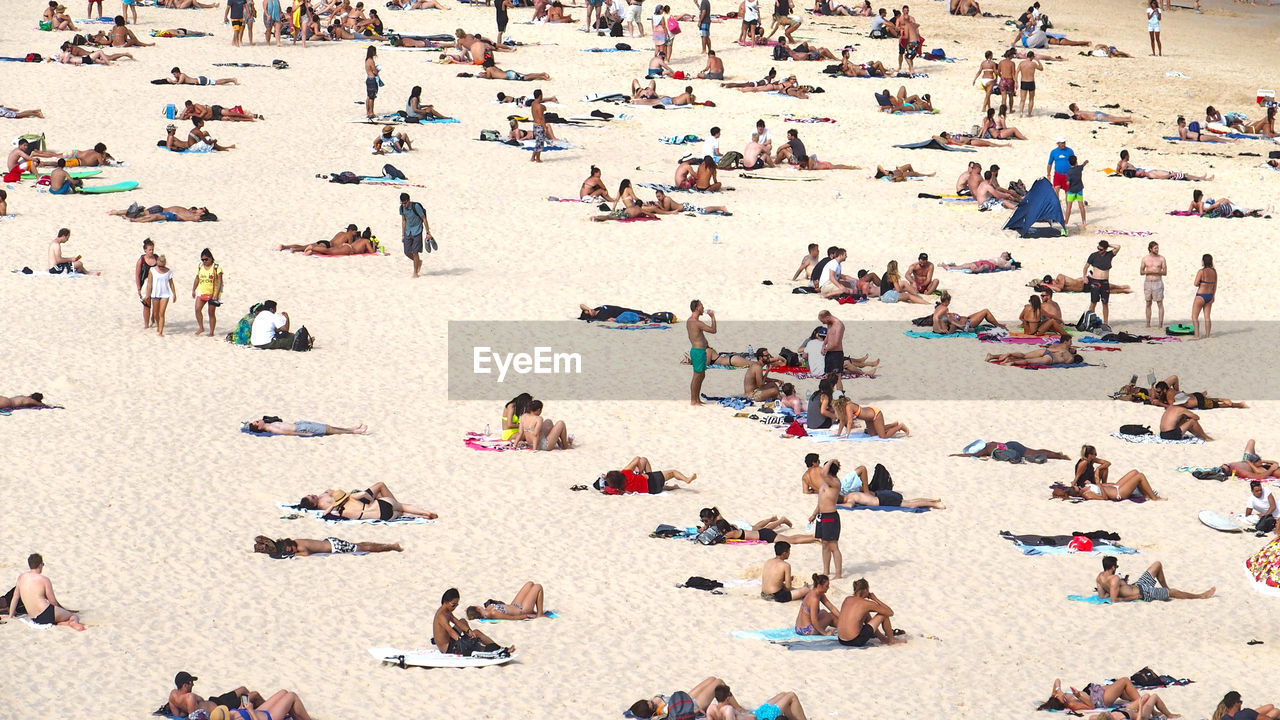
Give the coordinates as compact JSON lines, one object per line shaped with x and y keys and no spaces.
{"x":1062,"y":140}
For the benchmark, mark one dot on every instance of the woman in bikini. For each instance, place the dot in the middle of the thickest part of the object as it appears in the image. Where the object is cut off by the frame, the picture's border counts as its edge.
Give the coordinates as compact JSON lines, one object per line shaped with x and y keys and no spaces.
{"x":1091,"y":697}
{"x":812,"y":619}
{"x":847,"y":411}
{"x":1144,"y":708}
{"x":1035,"y":323}
{"x":1206,"y":283}
{"x":1002,"y":129}
{"x":631,"y":205}
{"x":529,"y":603}
{"x":1091,"y":484}
{"x":1266,"y":126}
{"x":376,"y":503}
{"x":1086,"y":472}
{"x":765,"y":531}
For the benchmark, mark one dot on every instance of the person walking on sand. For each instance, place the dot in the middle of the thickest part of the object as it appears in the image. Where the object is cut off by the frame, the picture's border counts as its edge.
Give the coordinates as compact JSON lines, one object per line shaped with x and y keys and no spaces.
{"x":704,"y":25}
{"x":987,"y":72}
{"x":1206,"y":283}
{"x":537,"y":110}
{"x":413,"y":228}
{"x":1153,"y":269}
{"x":236,"y":13}
{"x":698,"y":347}
{"x":1059,"y":164}
{"x":146,"y":263}
{"x":827,"y":528}
{"x":206,"y":289}
{"x":35,"y":593}
{"x":371,"y":80}
{"x":161,"y":291}
{"x":1027,"y":82}
{"x":1153,"y":27}
{"x":1075,"y":191}
{"x":125,"y":7}
{"x":1150,"y":586}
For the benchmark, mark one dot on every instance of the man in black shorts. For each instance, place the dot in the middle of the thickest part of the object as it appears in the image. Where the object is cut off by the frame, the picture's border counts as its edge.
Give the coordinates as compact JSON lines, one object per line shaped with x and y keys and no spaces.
{"x":827,"y":528}
{"x":775,"y":577}
{"x":864,"y":616}
{"x":1097,"y":274}
{"x":833,"y":346}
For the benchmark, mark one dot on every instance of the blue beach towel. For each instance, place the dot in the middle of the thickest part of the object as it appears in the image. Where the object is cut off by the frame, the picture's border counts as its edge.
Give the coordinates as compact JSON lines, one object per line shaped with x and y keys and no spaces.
{"x":245,"y":429}
{"x":783,"y":635}
{"x":883,"y":508}
{"x":931,"y":335}
{"x":1090,"y":599}
{"x":822,"y":436}
{"x":1098,"y":549}
{"x":551,"y":614}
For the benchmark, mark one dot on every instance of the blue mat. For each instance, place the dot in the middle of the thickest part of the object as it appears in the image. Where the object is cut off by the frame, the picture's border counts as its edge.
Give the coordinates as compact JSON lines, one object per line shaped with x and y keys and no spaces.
{"x":1098,"y":549}
{"x":1090,"y":599}
{"x":779,"y":636}
{"x":550,"y":614}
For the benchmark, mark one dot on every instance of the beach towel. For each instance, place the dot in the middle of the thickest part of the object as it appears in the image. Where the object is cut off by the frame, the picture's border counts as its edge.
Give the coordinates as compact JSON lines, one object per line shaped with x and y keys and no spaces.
{"x":549,"y":614}
{"x":642,"y":218}
{"x":1059,"y":366}
{"x":632,"y":326}
{"x":45,"y":273}
{"x":673,"y":189}
{"x":782,"y":636}
{"x":931,"y":335}
{"x":608,"y":50}
{"x":828,"y":436}
{"x":796,"y":119}
{"x":680,"y":140}
{"x":1099,"y":548}
{"x":882,"y":508}
{"x":1155,"y":439}
{"x":932,"y":144}
{"x":1090,"y":599}
{"x":477,"y":441}
{"x":168,"y":34}
{"x":245,"y":429}
{"x":968,"y":271}
{"x":294,"y":510}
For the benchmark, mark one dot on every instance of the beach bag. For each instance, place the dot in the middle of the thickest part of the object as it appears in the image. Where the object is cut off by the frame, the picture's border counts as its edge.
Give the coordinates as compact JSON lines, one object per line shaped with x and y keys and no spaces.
{"x":623,"y":47}
{"x":1266,"y":524}
{"x":729,"y":159}
{"x":697,"y":582}
{"x":302,"y":340}
{"x":488,"y":135}
{"x":673,"y":26}
{"x":466,"y":645}
{"x":46,"y":25}
{"x":1004,"y":455}
{"x":627,"y":318}
{"x":796,"y":429}
{"x":780,"y":54}
{"x":680,"y":706}
{"x":1214,"y":474}
{"x":926,"y":321}
{"x":345,"y":177}
{"x":1089,"y":320}
{"x":8,"y":598}
{"x":663,"y":317}
{"x":880,"y":480}
{"x":666,"y":531}
{"x":711,"y":536}
{"x":1135,"y":430}
{"x":392,"y":171}
{"x":1146,"y":677}
{"x":877,"y":34}
{"x":615,"y":30}
{"x":790,"y":357}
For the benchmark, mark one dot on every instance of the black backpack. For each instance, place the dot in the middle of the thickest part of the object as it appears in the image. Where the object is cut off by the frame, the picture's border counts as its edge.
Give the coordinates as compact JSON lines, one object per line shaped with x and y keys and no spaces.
{"x":302,"y":340}
{"x":1088,"y":321}
{"x":345,"y":177}
{"x":780,"y":54}
{"x":663,"y":317}
{"x":392,"y":171}
{"x":680,"y":706}
{"x":789,"y":357}
{"x":1135,"y":430}
{"x":880,"y":480}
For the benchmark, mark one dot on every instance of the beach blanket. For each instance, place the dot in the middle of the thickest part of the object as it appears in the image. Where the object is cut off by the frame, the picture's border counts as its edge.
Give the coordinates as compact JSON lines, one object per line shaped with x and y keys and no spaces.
{"x":1090,"y":599}
{"x":477,"y":441}
{"x":550,"y":614}
{"x":808,"y":120}
{"x":967,"y":270}
{"x":1155,"y":439}
{"x":319,"y":515}
{"x":673,"y":189}
{"x":608,"y":49}
{"x":931,"y":335}
{"x":1059,"y":366}
{"x":1100,"y":547}
{"x":735,"y":402}
{"x":45,"y":273}
{"x":399,"y":118}
{"x":169,"y":34}
{"x":932,"y":144}
{"x":1131,"y":233}
{"x":828,"y":436}
{"x":633,"y":326}
{"x":245,"y":429}
{"x":782,"y":636}
{"x":883,"y":508}
{"x":680,"y":140}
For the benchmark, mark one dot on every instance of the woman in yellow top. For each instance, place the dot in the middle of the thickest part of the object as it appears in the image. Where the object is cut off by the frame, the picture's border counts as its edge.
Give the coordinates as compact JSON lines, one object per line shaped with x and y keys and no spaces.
{"x":511,"y":414}
{"x":207,"y":289}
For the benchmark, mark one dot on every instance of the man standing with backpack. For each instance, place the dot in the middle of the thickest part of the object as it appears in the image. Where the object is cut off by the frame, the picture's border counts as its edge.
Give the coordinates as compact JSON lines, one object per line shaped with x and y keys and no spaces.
{"x":413,"y":225}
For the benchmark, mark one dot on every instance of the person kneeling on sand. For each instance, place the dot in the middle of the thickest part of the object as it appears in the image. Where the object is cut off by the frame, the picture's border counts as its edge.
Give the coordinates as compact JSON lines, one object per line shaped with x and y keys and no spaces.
{"x":183,"y":701}
{"x":864,"y":616}
{"x":302,"y":547}
{"x":34,"y":592}
{"x":529,"y":603}
{"x":454,"y":635}
{"x":374,"y":503}
{"x":775,"y":577}
{"x":1150,"y":586}
{"x":639,"y":477}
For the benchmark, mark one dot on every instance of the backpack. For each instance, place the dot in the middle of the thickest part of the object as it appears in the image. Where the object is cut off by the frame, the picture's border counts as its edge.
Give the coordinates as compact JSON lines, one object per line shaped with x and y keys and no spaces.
{"x":790,"y":357}
{"x":302,"y":340}
{"x":345,"y":177}
{"x":615,"y":30}
{"x":392,"y":171}
{"x":1214,"y":474}
{"x":622,"y":46}
{"x":730,"y":159}
{"x":680,"y":706}
{"x":489,"y":135}
{"x":663,"y":317}
{"x":1088,"y":321}
{"x":711,"y":536}
{"x":880,"y":480}
{"x":698,"y":582}
{"x":779,"y":54}
{"x":1135,"y":430}
{"x":926,"y":321}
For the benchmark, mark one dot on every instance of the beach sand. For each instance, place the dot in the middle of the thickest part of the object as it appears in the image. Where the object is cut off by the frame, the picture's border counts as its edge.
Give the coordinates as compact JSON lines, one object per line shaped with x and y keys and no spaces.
{"x":144,"y":498}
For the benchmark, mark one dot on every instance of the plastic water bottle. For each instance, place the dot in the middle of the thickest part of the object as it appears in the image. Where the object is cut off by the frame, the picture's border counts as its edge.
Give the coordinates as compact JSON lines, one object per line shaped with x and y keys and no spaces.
{"x":751,"y":351}
{"x":715,"y":238}
{"x":486,"y":430}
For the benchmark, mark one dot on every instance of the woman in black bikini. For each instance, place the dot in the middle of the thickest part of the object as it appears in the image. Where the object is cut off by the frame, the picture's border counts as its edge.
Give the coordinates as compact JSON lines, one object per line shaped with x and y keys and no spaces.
{"x":376,"y":503}
{"x":1206,"y":287}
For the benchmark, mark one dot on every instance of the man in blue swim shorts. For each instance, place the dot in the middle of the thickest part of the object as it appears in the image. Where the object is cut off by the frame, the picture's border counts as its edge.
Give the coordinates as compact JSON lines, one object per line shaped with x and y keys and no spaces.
{"x":698,"y":351}
{"x":704,"y":24}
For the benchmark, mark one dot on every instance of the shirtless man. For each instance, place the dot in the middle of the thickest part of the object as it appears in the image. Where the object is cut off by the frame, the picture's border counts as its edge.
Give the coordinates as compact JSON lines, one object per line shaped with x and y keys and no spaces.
{"x":198,"y":138}
{"x":342,"y":237}
{"x":697,"y":330}
{"x":807,"y":262}
{"x":72,"y":55}
{"x":967,"y":183}
{"x":685,"y":98}
{"x":302,"y":547}
{"x":658,"y":65}
{"x":832,"y":346}
{"x":775,"y":577}
{"x":1150,"y":587}
{"x":1177,"y":420}
{"x":454,"y":636}
{"x":122,"y":36}
{"x":989,"y":196}
{"x":1152,"y":268}
{"x":35,"y":592}
{"x":19,"y":402}
{"x":1169,"y":392}
{"x":538,"y":111}
{"x":1048,"y":307}
{"x":864,"y":616}
{"x":16,"y":114}
{"x":920,"y":275}
{"x":1027,"y":83}
{"x":706,"y":179}
{"x":757,"y":384}
{"x":215,"y":112}
{"x":1098,"y":116}
{"x":827,"y":528}
{"x":908,"y":40}
{"x":987,"y":72}
{"x":594,"y":186}
{"x":664,"y":205}
{"x":177,"y":77}
{"x":59,"y":264}
{"x":1185,"y":133}
{"x":60,"y":182}
{"x":90,"y":158}
{"x":1062,"y":283}
{"x":714,"y":69}
{"x":183,"y":701}
{"x":900,"y":173}
{"x":818,"y":473}
{"x":1006,"y":71}
{"x":24,"y":156}
{"x":768,"y":79}
{"x":949,"y":139}
{"x":303,"y":428}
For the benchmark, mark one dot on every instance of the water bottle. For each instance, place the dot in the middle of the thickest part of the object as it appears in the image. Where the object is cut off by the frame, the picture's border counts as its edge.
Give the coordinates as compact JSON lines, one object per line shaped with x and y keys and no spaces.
{"x":751,"y":351}
{"x":715,"y":238}
{"x":486,"y":427}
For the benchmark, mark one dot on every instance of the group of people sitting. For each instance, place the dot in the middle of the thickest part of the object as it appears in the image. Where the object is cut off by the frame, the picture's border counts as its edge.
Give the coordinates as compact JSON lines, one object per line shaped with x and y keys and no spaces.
{"x":524,"y":426}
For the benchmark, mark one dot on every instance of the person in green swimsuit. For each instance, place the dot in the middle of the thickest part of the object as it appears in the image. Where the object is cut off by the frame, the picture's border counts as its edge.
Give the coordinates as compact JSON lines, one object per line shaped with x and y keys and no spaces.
{"x":698,"y":350}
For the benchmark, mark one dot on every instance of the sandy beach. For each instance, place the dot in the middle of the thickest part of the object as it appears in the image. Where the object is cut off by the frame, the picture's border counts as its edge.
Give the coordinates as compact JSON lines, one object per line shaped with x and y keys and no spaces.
{"x":144,"y":497}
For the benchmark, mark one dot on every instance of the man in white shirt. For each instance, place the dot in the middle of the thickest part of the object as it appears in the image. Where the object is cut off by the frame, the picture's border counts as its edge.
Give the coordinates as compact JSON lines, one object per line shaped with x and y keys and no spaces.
{"x":834,"y":283}
{"x":762,"y":136}
{"x":271,"y":329}
{"x":711,"y":146}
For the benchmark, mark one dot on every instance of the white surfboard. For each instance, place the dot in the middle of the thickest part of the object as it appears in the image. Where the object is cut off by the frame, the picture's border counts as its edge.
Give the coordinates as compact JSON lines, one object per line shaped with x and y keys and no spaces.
{"x":1218,"y":522}
{"x":433,"y":658}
